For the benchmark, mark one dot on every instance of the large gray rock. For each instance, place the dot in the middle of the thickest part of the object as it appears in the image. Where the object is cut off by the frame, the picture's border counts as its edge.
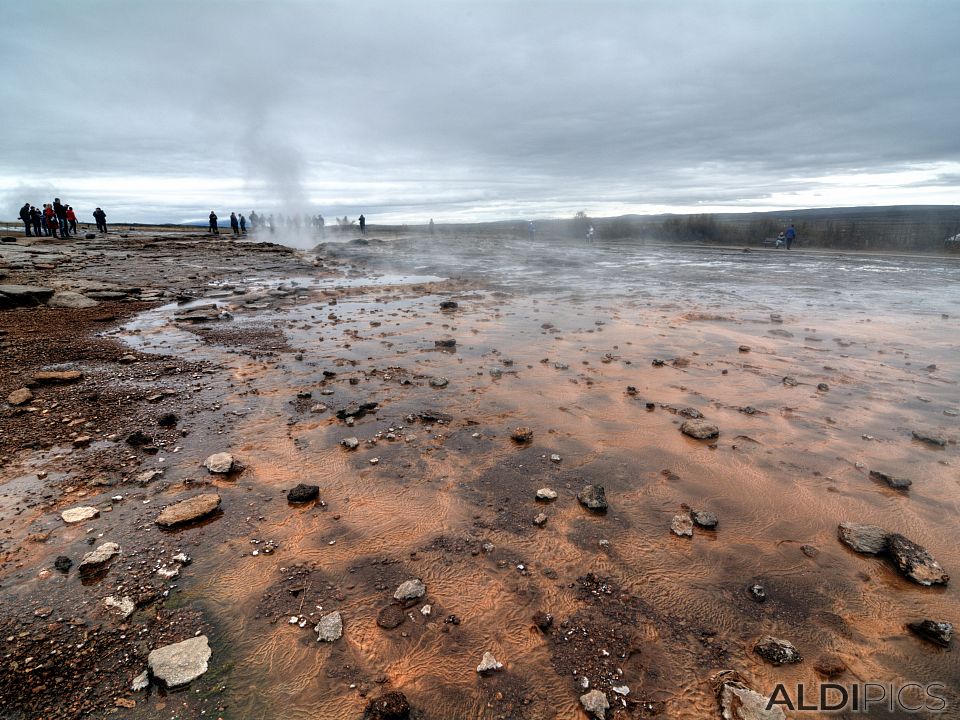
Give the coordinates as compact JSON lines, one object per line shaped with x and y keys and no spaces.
{"x":221,"y":463}
{"x":92,"y":561}
{"x":12,"y":296}
{"x":869,"y":539}
{"x":915,"y":562}
{"x":177,"y":664}
{"x":329,"y":627}
{"x":739,"y":702}
{"x":70,"y":299}
{"x":700,"y":429}
{"x":188,"y":510}
{"x":595,"y":704}
{"x":79,"y":514}
{"x":593,"y":498}
{"x":777,"y":651}
{"x":410,"y":590}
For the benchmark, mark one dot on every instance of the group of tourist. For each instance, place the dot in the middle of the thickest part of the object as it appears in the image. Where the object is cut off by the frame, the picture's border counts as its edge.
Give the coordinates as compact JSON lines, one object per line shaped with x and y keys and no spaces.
{"x":238,"y":223}
{"x":55,"y":220}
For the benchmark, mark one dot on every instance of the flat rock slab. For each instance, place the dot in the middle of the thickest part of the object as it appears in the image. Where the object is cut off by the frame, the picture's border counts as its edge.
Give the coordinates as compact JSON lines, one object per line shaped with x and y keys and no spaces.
{"x":96,"y":559}
{"x":896,"y":483}
{"x":868,"y":539}
{"x":57,"y":377}
{"x":700,"y":429}
{"x":70,"y":299}
{"x":915,"y":562}
{"x":12,"y":296}
{"x":221,"y":463}
{"x":79,"y":514}
{"x":933,"y":630}
{"x":390,"y":617}
{"x":176,"y":665}
{"x":330,"y":627}
{"x":20,"y":397}
{"x":188,"y":510}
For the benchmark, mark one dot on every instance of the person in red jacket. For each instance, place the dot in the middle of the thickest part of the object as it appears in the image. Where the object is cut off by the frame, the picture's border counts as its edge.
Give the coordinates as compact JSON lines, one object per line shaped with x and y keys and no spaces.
{"x":72,"y":220}
{"x":51,"y":217}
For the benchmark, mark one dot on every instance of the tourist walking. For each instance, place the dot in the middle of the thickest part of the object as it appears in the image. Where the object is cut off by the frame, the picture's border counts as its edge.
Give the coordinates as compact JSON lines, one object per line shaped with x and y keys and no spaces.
{"x":72,"y":219}
{"x":60,"y":210}
{"x":101,"y":217}
{"x":214,"y":230}
{"x":790,"y":235}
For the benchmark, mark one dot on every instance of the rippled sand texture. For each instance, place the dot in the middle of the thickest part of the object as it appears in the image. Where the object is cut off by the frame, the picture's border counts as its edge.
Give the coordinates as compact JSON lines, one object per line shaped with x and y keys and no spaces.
{"x":567,"y":328}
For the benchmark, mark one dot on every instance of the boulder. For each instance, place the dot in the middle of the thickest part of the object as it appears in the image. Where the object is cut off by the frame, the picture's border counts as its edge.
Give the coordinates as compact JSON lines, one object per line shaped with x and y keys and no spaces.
{"x":177,"y":664}
{"x":94,"y":560}
{"x":13,"y":296}
{"x":303,"y":493}
{"x":915,"y":562}
{"x":220,"y":463}
{"x":933,"y":630}
{"x":777,"y":651}
{"x":595,"y":704}
{"x":929,"y":438}
{"x":20,"y":397}
{"x":188,"y":510}
{"x":410,"y":590}
{"x":704,"y":519}
{"x":699,"y":429}
{"x":593,"y":498}
{"x":70,"y":299}
{"x":868,"y":539}
{"x":329,"y":627}
{"x":79,"y":514}
{"x":350,"y":443}
{"x":439,"y":382}
{"x":739,"y":702}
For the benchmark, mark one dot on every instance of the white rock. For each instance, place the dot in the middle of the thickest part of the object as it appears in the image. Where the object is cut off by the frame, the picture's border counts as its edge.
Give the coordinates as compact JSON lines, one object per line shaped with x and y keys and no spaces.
{"x":426,"y":610}
{"x":177,"y":664}
{"x":169,"y":573}
{"x":595,"y":703}
{"x":488,"y":663}
{"x":141,"y":681}
{"x":124,"y":605}
{"x":330,"y":627}
{"x":622,"y":689}
{"x":546,"y":493}
{"x":410,"y":590}
{"x":98,"y":557}
{"x":79,"y":514}
{"x":219,"y":463}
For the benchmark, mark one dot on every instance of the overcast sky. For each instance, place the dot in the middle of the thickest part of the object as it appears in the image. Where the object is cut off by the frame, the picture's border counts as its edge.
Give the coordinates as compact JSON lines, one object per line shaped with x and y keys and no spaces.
{"x":162,"y":110}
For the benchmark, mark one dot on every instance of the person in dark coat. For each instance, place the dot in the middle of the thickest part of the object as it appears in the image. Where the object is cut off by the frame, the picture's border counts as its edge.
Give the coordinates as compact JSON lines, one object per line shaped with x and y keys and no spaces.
{"x":27,"y":221}
{"x":60,"y":210}
{"x":234,"y":223}
{"x":36,"y":217}
{"x":363,"y":225}
{"x":101,"y":217}
{"x":214,"y":230}
{"x":243,"y":224}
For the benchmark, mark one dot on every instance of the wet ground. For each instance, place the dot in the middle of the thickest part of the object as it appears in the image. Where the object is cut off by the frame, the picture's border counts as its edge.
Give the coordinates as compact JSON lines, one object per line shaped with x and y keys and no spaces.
{"x":548,"y":335}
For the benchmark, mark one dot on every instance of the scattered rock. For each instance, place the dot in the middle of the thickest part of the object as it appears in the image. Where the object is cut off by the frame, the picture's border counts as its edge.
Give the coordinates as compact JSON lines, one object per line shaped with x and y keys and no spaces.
{"x":699,"y":429}
{"x":823,"y":387}
{"x":546,"y":494}
{"x":146,"y":477}
{"x":488,"y":664}
{"x":303,"y":493}
{"x":188,"y":510}
{"x":79,"y":514}
{"x":177,"y":664}
{"x":830,"y":666}
{"x":929,"y":438}
{"x":124,"y":606}
{"x":935,"y":631}
{"x":12,"y":296}
{"x":93,"y":561}
{"x":540,"y":520}
{"x":739,"y":702}
{"x":915,"y":562}
{"x":391,"y":706}
{"x":56,"y":377}
{"x":356,"y":410}
{"x":390,"y":617}
{"x":63,"y":563}
{"x":168,"y":420}
{"x":141,"y":681}
{"x":220,"y":463}
{"x":593,"y":498}
{"x":894,"y":482}
{"x":410,"y":590}
{"x":445,"y":342}
{"x":448,"y":305}
{"x":690,"y":412}
{"x":20,"y":397}
{"x":789,"y":381}
{"x":869,"y":539}
{"x":682,"y":525}
{"x":809,"y":550}
{"x":521,"y":435}
{"x":595,"y":704}
{"x":704,"y":519}
{"x":70,"y":299}
{"x":744,"y":348}
{"x":330,"y":627}
{"x":777,"y":651}
{"x":350,"y":443}
{"x":439,"y":382}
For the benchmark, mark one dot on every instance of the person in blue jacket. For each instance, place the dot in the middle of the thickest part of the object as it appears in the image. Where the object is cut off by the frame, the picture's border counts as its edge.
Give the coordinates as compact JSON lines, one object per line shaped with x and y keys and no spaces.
{"x":790,"y":235}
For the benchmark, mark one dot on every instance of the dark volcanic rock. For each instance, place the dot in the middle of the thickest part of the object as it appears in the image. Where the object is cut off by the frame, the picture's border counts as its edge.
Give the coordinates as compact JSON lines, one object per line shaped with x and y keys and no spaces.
{"x":777,"y":651}
{"x":448,"y":305}
{"x":544,"y":621}
{"x":869,"y":539}
{"x":894,"y":482}
{"x":63,"y":563}
{"x":521,"y":435}
{"x":138,"y":438}
{"x":704,"y":519}
{"x":168,"y":420}
{"x":915,"y":562}
{"x":303,"y":493}
{"x":390,"y":617}
{"x":757,"y":592}
{"x":593,"y":498}
{"x":392,"y":706}
{"x":356,"y":410}
{"x":933,"y":630}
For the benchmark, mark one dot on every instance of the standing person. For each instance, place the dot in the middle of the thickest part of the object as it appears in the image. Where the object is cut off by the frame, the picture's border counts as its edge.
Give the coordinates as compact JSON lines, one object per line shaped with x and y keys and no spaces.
{"x":60,"y":210}
{"x":50,"y":216}
{"x":27,"y":221}
{"x":234,"y":224}
{"x":214,"y":230}
{"x":72,"y":219}
{"x":790,"y":235}
{"x":101,"y":217}
{"x":322,"y":225}
{"x":243,"y":224}
{"x":431,"y":226}
{"x":254,"y":220}
{"x":363,"y":225}
{"x":36,"y":217}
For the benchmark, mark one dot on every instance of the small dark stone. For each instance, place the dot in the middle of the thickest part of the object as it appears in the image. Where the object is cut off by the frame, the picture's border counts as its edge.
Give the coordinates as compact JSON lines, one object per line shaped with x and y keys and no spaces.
{"x":809,"y":550}
{"x":138,"y":439}
{"x":329,"y":374}
{"x":168,"y":420}
{"x":522,"y":435}
{"x":757,"y":592}
{"x":934,"y":631}
{"x":392,"y":706}
{"x":777,"y":651}
{"x":452,"y":620}
{"x":303,"y":493}
{"x":651,"y":406}
{"x":90,"y":236}
{"x":631,"y":390}
{"x":304,"y":395}
{"x":543,"y":620}
{"x":390,"y":617}
{"x":823,"y":387}
{"x":63,"y":563}
{"x":448,"y":305}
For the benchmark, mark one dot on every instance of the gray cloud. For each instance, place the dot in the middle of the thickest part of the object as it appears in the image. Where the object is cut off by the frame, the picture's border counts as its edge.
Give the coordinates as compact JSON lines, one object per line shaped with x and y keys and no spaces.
{"x":463,"y":110}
